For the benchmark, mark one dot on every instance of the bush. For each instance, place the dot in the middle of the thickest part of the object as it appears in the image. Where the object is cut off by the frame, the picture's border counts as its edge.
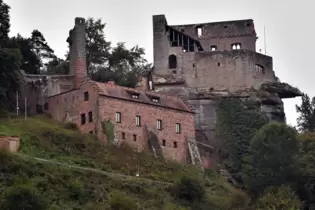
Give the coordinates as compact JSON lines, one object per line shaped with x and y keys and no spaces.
{"x":121,"y":201}
{"x":278,"y":198}
{"x":71,"y":126}
{"x":24,"y":197}
{"x":189,"y":189}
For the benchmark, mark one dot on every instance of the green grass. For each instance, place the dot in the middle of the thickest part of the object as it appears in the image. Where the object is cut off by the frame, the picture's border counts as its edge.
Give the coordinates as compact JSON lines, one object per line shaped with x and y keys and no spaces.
{"x":44,"y":138}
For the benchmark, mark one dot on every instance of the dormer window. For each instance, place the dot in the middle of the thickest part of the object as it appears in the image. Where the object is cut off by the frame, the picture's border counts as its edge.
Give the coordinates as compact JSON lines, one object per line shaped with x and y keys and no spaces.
{"x":133,"y":95}
{"x":136,"y":96}
{"x":154,"y":99}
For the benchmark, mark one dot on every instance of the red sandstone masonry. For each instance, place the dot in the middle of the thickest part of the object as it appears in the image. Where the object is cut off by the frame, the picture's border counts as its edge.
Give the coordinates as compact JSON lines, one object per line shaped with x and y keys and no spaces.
{"x":9,"y":143}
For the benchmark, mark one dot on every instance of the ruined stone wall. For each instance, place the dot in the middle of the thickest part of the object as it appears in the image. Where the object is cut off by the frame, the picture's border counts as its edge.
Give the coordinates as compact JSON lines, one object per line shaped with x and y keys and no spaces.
{"x":69,"y":106}
{"x":149,"y":115}
{"x":222,"y":34}
{"x":9,"y":143}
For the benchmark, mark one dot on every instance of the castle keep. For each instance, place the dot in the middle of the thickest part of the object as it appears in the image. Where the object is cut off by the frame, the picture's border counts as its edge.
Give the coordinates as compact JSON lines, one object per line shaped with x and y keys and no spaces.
{"x":203,"y":62}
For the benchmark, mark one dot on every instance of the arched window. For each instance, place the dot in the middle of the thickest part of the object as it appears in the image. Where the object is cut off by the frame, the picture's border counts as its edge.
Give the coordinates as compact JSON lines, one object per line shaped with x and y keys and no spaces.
{"x":172,"y":62}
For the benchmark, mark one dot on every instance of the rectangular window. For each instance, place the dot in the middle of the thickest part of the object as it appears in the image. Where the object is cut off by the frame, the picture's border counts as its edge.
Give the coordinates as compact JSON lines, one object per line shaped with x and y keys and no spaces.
{"x":46,"y":106}
{"x":134,"y":137}
{"x":82,"y":119}
{"x":90,"y":116}
{"x":164,"y":143}
{"x":123,"y":135}
{"x":177,"y":128}
{"x":138,"y":121}
{"x":175,"y":144}
{"x":118,"y":117}
{"x":86,"y":96}
{"x":159,"y":124}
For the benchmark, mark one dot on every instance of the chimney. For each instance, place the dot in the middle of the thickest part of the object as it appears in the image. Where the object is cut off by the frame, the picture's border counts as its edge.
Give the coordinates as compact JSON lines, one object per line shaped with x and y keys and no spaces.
{"x":77,"y":53}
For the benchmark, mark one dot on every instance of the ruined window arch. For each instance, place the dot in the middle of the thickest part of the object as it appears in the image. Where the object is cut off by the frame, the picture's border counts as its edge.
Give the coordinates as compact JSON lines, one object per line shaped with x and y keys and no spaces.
{"x":172,"y":62}
{"x":259,"y":69}
{"x":236,"y":46}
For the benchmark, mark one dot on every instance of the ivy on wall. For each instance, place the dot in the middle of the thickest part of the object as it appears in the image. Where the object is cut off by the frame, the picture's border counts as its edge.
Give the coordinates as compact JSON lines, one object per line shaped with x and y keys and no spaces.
{"x":109,"y":130}
{"x":237,"y":122}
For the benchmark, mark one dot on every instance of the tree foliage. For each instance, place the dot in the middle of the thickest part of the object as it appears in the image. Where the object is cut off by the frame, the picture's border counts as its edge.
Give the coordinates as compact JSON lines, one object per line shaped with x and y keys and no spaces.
{"x":278,"y":198}
{"x":237,"y":123}
{"x":306,"y":120}
{"x":306,"y":160}
{"x":4,"y":22}
{"x":272,"y":158}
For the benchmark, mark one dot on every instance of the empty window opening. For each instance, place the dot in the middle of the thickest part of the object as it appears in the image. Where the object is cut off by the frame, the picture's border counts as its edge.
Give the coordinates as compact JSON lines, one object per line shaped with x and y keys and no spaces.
{"x":90,"y":116}
{"x":199,"y":31}
{"x":83,"y":119}
{"x":159,"y":124}
{"x":172,"y":62}
{"x":138,"y":121}
{"x":194,"y":65}
{"x":236,"y":46}
{"x":175,"y":144}
{"x":86,"y":96}
{"x":213,"y":48}
{"x":134,"y":137}
{"x":177,"y":129}
{"x":219,"y":64}
{"x":91,"y":132}
{"x":118,"y":117}
{"x":225,"y":26}
{"x":123,"y":135}
{"x":164,"y":143}
{"x":259,"y":69}
{"x":46,"y":106}
{"x":150,"y":85}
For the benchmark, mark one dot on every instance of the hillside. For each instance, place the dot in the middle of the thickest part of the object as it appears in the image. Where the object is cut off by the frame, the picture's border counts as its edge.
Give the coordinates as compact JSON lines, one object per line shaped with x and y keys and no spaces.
{"x":102,"y":175}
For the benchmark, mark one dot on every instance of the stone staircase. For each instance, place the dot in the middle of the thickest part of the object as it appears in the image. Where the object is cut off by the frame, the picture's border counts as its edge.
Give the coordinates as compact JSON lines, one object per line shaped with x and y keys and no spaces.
{"x":194,"y":153}
{"x":153,"y":143}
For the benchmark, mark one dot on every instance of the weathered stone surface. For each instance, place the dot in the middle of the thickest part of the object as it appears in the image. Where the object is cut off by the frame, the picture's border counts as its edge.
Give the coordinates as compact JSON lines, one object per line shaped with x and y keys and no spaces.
{"x":284,"y":90}
{"x":10,"y":143}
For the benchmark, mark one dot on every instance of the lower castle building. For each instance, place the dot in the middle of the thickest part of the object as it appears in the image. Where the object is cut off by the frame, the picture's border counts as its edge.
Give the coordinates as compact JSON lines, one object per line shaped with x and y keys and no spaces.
{"x":147,"y":121}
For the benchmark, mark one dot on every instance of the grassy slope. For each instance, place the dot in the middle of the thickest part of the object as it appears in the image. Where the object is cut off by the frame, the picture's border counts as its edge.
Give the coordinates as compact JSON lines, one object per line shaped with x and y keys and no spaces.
{"x":44,"y":138}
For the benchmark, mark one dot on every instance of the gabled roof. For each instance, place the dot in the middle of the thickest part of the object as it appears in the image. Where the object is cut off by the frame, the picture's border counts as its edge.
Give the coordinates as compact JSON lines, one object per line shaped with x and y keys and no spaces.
{"x":140,"y":96}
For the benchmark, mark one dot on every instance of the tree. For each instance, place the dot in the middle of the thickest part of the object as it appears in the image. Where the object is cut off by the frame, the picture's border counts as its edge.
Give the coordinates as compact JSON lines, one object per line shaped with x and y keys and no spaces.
{"x":278,"y":198}
{"x":272,"y":158}
{"x":4,"y":22}
{"x":124,"y":66}
{"x":237,"y":123}
{"x":306,"y":120}
{"x":97,"y":48}
{"x":41,"y":48}
{"x":10,"y":61}
{"x":306,"y":159}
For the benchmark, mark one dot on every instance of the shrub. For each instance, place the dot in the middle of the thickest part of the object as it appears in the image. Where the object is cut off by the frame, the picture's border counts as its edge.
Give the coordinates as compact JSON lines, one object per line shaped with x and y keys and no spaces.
{"x":24,"y":197}
{"x":278,"y":198}
{"x":121,"y":201}
{"x":189,"y":189}
{"x":71,"y":126}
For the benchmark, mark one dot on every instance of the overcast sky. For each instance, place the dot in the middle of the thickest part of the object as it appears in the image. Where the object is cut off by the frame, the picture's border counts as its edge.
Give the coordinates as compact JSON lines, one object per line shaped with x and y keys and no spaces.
{"x":289,"y":28}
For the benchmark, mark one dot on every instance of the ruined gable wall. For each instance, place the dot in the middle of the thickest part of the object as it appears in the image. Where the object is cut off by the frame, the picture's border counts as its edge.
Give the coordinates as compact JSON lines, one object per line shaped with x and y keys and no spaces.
{"x":69,"y":106}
